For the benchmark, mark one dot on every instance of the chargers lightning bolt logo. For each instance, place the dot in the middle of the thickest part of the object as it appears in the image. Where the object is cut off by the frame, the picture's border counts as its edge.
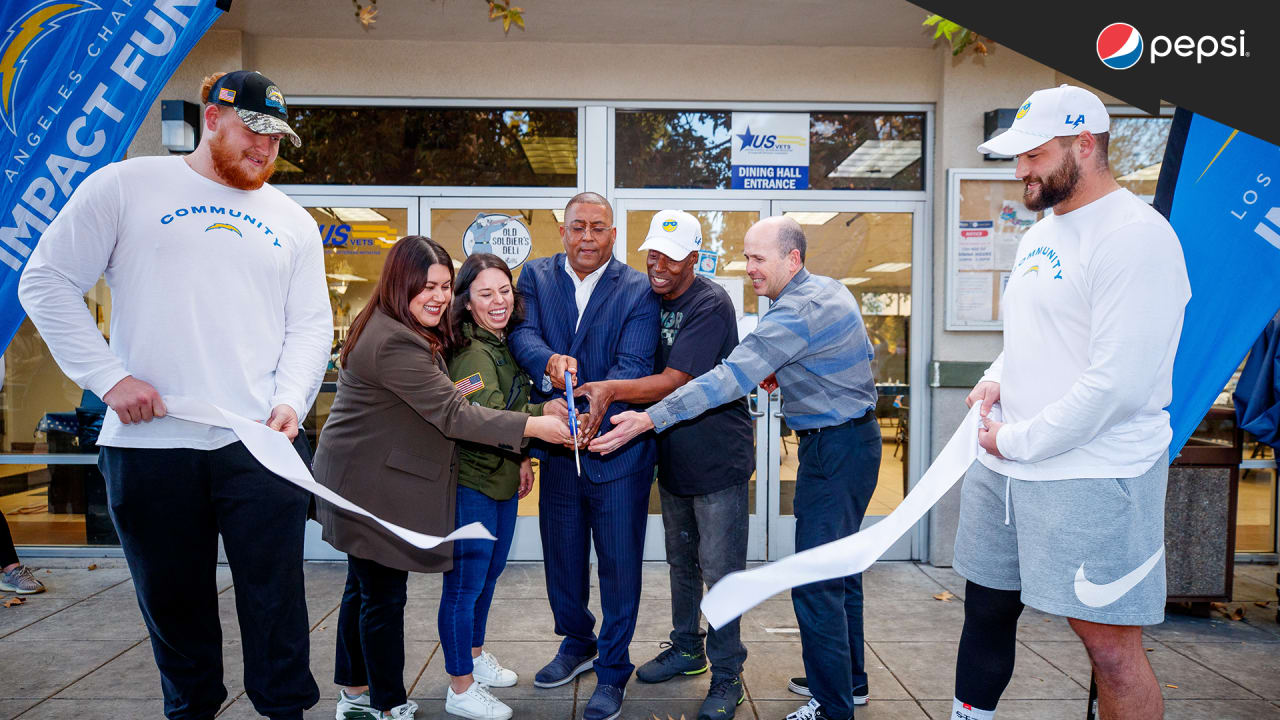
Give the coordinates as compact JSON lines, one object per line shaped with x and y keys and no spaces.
{"x":18,"y":42}
{"x":227,"y":226}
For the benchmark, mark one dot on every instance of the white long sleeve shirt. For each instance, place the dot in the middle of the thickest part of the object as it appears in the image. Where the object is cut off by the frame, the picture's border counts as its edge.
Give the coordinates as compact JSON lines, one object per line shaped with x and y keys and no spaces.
{"x":1092,"y":315}
{"x":216,"y":293}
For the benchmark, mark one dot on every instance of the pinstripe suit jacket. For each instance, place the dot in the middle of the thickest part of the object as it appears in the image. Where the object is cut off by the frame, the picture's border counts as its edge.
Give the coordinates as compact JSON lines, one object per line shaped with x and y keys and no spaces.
{"x":618,"y":338}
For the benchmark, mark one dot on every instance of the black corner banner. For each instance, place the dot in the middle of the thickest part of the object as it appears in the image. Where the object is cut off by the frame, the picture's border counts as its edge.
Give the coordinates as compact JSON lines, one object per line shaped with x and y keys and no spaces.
{"x":1220,"y":60}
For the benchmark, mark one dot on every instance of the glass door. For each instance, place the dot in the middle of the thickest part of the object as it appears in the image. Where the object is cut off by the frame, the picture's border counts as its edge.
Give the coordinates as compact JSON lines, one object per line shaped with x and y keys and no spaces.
{"x":724,"y":222}
{"x":518,"y":230}
{"x":876,"y":249}
{"x":357,"y":232}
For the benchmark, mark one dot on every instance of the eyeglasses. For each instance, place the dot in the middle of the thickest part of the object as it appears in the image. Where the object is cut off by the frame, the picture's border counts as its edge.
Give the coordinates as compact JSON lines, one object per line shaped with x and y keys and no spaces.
{"x":597,"y":231}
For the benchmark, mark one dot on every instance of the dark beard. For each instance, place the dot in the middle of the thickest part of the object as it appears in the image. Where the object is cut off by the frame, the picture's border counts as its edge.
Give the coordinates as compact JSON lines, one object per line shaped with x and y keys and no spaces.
{"x":1058,"y":186}
{"x":226,"y":163}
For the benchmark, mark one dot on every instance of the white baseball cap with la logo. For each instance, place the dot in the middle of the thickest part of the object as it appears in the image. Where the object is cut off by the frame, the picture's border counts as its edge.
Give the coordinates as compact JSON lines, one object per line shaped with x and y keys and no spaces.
{"x":674,"y":233}
{"x":1063,"y":111}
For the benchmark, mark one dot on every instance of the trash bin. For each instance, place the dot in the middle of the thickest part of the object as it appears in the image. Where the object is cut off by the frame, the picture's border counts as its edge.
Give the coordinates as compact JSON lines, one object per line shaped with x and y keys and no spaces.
{"x":1200,"y":512}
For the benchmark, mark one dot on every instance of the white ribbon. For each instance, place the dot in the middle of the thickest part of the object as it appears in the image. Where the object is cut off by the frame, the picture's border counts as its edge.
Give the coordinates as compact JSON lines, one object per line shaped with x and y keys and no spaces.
{"x":738,"y":592}
{"x":276,"y":453}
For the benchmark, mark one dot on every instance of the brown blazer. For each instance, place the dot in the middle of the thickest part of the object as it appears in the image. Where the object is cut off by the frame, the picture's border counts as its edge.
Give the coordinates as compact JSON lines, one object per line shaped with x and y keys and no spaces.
{"x":388,"y":446}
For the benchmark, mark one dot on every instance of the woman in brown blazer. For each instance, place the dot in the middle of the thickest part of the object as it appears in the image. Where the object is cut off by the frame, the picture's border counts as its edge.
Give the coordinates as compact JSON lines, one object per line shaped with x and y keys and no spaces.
{"x":388,"y":446}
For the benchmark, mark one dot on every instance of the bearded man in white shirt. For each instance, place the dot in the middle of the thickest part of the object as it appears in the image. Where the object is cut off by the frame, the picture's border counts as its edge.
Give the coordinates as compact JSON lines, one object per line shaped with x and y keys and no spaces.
{"x":218,"y":292}
{"x":1065,"y":509}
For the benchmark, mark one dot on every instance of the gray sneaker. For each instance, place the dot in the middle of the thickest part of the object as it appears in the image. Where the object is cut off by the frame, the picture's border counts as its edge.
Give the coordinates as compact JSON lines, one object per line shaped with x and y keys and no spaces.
{"x":21,"y":581}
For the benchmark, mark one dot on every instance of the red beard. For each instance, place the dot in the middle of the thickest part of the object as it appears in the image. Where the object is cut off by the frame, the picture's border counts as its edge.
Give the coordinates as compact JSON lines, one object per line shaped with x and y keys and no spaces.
{"x":229,"y":166}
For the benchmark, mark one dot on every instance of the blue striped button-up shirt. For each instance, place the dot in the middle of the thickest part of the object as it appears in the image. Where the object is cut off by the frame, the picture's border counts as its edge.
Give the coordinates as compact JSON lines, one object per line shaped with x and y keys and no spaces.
{"x":813,"y":338}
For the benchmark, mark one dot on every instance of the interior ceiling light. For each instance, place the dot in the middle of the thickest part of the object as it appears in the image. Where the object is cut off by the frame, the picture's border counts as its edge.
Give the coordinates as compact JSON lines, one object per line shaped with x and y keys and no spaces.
{"x":851,"y":281}
{"x":810,"y":218}
{"x":345,"y":277}
{"x":551,"y":155}
{"x":878,"y":159}
{"x":559,"y":215}
{"x":736,"y":266}
{"x":889,"y":267}
{"x":358,"y":214}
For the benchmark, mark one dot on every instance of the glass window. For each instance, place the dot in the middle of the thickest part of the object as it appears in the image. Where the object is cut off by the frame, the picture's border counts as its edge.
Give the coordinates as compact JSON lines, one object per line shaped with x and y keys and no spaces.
{"x":474,"y":147}
{"x":847,"y":150}
{"x":44,"y":412}
{"x":1136,"y":150}
{"x":870,"y":253}
{"x":356,"y":242}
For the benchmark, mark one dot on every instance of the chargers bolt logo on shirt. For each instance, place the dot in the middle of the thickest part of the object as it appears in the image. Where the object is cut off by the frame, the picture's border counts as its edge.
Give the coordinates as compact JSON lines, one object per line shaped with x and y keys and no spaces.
{"x":19,"y":49}
{"x":225,"y":226}
{"x":1119,"y":46}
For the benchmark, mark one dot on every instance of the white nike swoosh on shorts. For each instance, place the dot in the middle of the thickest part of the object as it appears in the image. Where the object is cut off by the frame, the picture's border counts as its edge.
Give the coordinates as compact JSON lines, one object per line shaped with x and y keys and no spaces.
{"x":1095,"y":595}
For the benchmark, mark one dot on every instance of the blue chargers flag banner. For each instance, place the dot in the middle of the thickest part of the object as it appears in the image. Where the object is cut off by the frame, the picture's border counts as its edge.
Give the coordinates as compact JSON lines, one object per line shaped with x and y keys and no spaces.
{"x":76,"y":80}
{"x":1220,"y":189}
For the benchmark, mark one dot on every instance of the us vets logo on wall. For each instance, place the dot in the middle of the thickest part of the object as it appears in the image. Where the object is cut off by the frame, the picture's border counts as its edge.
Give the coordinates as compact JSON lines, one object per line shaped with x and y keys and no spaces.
{"x":503,"y":235}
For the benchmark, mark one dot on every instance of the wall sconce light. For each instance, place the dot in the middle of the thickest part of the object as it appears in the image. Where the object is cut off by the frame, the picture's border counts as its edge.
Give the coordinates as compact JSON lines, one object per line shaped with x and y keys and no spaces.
{"x":995,"y":122}
{"x":179,"y":125}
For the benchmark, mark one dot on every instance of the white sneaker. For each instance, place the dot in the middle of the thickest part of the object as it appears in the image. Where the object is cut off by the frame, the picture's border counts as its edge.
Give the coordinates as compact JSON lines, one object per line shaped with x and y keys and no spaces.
{"x":805,"y":712}
{"x":358,"y":707}
{"x":487,"y":670}
{"x":476,"y":703}
{"x":401,"y":712}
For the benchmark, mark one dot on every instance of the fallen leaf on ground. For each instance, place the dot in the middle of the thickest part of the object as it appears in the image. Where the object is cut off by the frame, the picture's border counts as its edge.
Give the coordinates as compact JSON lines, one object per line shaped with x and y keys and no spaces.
{"x":92,"y":566}
{"x":1261,"y":603}
{"x":10,"y":602}
{"x":944,"y":596}
{"x":1151,"y":649}
{"x":1175,"y":687}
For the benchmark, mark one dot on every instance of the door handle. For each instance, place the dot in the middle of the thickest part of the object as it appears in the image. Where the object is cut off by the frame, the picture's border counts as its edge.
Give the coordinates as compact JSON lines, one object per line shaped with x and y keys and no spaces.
{"x":752,"y":406}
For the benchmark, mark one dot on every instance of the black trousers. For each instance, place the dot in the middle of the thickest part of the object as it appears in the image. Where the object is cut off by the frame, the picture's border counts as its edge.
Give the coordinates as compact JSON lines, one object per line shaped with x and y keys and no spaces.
{"x":169,"y":506}
{"x":371,"y":632}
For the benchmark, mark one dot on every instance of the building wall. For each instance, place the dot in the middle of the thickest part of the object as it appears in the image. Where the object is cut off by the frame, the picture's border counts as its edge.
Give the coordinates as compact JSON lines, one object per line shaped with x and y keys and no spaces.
{"x":961,"y":89}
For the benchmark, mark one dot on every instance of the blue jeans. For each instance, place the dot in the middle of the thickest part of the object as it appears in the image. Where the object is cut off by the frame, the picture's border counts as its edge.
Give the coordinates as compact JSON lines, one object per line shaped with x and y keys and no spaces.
{"x":468,"y":587}
{"x":838,"y":471}
{"x":706,"y":538}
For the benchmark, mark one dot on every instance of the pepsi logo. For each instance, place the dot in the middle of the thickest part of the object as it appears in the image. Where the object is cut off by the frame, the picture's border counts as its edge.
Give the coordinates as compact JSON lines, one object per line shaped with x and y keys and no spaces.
{"x":1119,"y":46}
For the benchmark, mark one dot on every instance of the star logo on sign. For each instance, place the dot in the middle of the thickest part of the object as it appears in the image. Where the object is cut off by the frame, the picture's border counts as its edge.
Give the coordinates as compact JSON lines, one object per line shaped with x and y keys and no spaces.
{"x":747,"y":138}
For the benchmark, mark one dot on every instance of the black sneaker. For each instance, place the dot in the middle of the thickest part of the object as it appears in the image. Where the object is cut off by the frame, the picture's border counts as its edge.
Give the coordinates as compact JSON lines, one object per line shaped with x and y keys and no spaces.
{"x":723,"y":699}
{"x":800,"y":686}
{"x":670,"y":663}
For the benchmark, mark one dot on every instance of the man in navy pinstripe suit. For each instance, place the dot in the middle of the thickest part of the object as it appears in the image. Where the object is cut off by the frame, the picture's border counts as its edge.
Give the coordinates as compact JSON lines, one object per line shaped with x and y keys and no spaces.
{"x":593,"y":316}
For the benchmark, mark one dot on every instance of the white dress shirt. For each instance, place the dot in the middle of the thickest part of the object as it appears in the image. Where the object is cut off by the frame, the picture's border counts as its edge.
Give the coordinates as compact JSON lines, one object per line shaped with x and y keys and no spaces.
{"x":583,"y":288}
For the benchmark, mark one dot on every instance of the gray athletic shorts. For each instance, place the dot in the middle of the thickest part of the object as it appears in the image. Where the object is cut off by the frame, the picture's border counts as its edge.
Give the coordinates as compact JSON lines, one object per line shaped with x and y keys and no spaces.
{"x":1090,"y":548}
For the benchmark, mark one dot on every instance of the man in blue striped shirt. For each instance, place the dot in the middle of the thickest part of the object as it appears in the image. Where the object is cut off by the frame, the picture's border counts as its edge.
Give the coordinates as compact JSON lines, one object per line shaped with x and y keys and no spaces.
{"x":813,"y":345}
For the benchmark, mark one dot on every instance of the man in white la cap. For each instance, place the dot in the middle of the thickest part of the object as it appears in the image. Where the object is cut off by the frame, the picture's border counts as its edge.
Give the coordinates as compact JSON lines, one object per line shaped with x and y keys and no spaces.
{"x":1064,"y":509}
{"x":704,"y":494}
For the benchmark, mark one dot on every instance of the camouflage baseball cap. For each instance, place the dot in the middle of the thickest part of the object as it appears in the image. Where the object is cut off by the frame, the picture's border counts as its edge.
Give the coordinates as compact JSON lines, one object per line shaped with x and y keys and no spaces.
{"x":257,"y":101}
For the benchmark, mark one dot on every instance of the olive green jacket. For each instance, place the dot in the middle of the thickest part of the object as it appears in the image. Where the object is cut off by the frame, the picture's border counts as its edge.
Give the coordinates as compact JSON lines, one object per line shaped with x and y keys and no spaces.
{"x":488,"y":376}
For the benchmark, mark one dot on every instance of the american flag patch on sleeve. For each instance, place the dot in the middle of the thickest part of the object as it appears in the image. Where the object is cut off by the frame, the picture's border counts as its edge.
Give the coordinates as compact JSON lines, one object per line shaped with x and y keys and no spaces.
{"x":469,"y":384}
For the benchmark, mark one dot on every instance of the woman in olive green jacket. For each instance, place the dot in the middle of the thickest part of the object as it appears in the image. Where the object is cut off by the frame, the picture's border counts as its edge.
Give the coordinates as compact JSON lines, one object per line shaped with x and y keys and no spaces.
{"x":490,"y":481}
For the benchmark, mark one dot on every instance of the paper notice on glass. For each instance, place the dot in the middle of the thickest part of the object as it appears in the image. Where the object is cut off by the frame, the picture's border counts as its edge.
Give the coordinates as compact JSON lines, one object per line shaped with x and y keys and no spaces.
{"x":974,"y":246}
{"x":1005,"y":250}
{"x":738,"y":592}
{"x":276,"y":454}
{"x":1015,"y":219}
{"x":973,"y":297}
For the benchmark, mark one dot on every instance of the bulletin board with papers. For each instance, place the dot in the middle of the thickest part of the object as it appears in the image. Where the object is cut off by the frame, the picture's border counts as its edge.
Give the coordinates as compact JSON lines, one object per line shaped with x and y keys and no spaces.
{"x":985,"y":221}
